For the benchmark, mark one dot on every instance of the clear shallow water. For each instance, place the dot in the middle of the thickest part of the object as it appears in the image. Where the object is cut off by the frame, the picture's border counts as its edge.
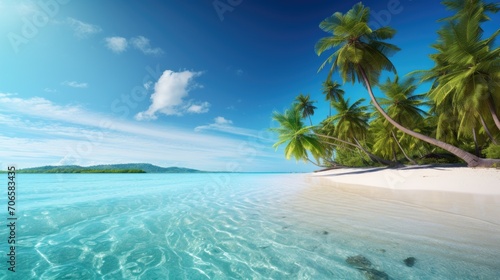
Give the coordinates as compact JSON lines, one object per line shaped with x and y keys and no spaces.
{"x":240,"y":226}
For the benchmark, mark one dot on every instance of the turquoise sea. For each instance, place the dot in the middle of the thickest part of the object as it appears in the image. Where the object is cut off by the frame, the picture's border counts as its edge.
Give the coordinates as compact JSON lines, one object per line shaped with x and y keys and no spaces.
{"x":244,"y":226}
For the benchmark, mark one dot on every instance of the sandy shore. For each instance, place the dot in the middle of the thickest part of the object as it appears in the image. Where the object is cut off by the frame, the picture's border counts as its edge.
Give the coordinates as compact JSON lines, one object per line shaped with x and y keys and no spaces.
{"x":446,"y":179}
{"x":446,"y":217}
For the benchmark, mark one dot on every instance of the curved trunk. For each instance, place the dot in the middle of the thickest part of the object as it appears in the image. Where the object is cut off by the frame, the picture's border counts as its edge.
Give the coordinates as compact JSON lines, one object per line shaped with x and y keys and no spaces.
{"x":337,"y":139}
{"x":374,"y":157}
{"x":358,"y":146}
{"x":491,"y":106}
{"x":475,"y":141}
{"x":487,"y":130}
{"x":402,"y":150}
{"x":470,"y":159}
{"x":336,"y":144}
{"x":315,"y":163}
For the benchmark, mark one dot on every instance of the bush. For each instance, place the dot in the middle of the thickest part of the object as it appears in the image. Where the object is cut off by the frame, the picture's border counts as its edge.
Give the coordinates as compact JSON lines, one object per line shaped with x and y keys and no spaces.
{"x":493,"y":151}
{"x":352,"y":158}
{"x":438,"y":158}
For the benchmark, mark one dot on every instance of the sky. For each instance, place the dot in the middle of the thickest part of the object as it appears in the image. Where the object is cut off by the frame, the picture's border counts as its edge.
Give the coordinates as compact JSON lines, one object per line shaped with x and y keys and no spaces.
{"x":174,"y":83}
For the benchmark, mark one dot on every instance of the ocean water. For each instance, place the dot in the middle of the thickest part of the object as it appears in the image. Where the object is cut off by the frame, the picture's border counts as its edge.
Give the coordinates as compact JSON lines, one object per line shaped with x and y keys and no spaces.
{"x":244,"y":226}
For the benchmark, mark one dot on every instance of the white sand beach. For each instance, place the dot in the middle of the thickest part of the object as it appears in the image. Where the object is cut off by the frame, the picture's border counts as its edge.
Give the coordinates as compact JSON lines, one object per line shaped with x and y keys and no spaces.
{"x":447,"y":179}
{"x":437,"y":214}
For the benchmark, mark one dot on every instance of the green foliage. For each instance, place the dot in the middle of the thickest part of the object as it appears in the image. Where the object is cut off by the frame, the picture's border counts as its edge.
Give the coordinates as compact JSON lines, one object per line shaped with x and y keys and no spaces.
{"x":333,"y":92}
{"x":463,"y":99}
{"x":351,"y":120}
{"x":305,"y":106}
{"x":352,"y":158}
{"x":493,"y":151}
{"x":299,"y":139}
{"x":355,"y":44}
{"x":466,"y":75}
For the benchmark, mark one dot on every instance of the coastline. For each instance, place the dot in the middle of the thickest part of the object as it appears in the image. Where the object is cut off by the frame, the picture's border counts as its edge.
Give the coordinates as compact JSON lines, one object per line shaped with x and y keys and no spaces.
{"x":484,"y":181}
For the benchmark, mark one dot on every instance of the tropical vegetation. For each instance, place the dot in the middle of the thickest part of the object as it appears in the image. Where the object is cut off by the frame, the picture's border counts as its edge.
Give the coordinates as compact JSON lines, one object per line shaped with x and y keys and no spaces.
{"x":456,"y":120}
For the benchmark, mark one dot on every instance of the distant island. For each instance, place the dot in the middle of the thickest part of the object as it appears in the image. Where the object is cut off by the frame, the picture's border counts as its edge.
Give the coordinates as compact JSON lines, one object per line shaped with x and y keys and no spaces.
{"x":108,"y":168}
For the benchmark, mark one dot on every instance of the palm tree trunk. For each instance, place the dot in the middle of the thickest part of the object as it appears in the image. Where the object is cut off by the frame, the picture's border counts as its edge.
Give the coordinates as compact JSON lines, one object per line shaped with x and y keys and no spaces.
{"x":475,"y":141}
{"x":470,"y":159}
{"x":315,"y":163}
{"x":336,"y":144}
{"x":402,"y":150}
{"x":491,"y":106}
{"x":310,"y":120}
{"x":337,"y":139}
{"x":374,"y":157}
{"x":487,"y":130}
{"x":370,"y":155}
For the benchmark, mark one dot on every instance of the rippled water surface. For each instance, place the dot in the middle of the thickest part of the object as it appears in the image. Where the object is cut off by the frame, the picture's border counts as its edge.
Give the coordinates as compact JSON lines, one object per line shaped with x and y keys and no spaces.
{"x":242,"y":226}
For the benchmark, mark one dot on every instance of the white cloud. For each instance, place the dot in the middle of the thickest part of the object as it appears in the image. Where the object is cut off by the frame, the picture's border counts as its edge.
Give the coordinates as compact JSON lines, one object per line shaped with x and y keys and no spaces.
{"x":75,"y":84}
{"x":198,"y":108}
{"x":142,"y":43}
{"x":39,"y":132}
{"x":222,"y":121}
{"x":224,"y":125}
{"x":50,"y":90}
{"x":120,"y":44}
{"x":169,"y":96}
{"x":82,"y":29}
{"x":116,"y":44}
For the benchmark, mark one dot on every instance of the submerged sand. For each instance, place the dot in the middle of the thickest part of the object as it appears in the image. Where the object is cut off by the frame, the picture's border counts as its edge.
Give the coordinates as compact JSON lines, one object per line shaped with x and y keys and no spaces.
{"x":444,"y":216}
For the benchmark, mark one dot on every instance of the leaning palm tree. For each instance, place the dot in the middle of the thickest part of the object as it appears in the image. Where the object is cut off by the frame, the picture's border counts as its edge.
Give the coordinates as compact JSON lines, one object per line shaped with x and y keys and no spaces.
{"x":384,"y":142}
{"x":351,"y":125}
{"x":362,"y":55}
{"x":351,"y":120}
{"x":305,"y":106}
{"x":332,"y":92}
{"x":403,"y":106}
{"x":401,"y":102}
{"x":463,"y":8}
{"x":467,"y":67}
{"x":300,"y":140}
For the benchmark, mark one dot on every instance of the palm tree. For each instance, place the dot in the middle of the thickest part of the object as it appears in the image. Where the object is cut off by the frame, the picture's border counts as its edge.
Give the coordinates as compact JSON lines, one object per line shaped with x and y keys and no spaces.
{"x":332,"y":92}
{"x":362,"y":55}
{"x":351,"y":125}
{"x":299,"y":138}
{"x":384,"y":143}
{"x":401,"y":102}
{"x":403,"y":106}
{"x":328,"y":129}
{"x":305,"y":105}
{"x":351,"y":120}
{"x":467,"y":7}
{"x":467,"y":67}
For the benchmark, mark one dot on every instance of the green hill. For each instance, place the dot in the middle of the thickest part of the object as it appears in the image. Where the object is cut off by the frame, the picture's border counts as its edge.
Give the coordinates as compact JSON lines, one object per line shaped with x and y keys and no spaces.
{"x":110,"y":168}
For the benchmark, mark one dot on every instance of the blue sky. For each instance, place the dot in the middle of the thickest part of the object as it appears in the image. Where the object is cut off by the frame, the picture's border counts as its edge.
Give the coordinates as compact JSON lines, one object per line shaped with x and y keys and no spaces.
{"x":173,"y":83}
